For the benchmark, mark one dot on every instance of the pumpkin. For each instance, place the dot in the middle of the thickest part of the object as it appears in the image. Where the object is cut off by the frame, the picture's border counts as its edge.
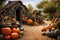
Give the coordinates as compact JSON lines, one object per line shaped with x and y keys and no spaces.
{"x":57,"y":32}
{"x":36,"y":24}
{"x":7,"y":37}
{"x":43,"y":29}
{"x":49,"y":26}
{"x":6,"y":31}
{"x":18,"y":30}
{"x":46,"y":27}
{"x":50,"y":34}
{"x":23,"y":18}
{"x":14,"y":30}
{"x":29,"y":21}
{"x":54,"y":25}
{"x":58,"y":23}
{"x":14,"y":20}
{"x":14,"y":35}
{"x":32,"y":24}
{"x":52,"y":29}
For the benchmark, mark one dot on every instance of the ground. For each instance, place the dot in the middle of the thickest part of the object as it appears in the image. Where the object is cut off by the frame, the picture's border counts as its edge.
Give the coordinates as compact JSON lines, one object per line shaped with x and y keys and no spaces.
{"x":34,"y":33}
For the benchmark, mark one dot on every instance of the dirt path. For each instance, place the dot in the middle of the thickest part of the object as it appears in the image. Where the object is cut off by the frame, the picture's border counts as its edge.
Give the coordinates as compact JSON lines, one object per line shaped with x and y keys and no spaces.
{"x":33,"y":33}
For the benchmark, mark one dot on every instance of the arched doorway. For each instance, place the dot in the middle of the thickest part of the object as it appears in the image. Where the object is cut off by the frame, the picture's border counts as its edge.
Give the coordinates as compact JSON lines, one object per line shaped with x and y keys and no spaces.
{"x":18,"y":14}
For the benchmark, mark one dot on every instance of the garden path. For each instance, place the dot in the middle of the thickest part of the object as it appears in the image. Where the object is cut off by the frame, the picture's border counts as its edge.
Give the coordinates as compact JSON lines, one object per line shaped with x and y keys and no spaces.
{"x":34,"y":32}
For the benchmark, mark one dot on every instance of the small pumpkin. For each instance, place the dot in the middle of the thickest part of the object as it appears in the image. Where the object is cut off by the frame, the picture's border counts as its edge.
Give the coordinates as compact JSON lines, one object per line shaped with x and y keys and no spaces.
{"x":14,"y":30}
{"x":18,"y":30}
{"x":14,"y":20}
{"x":14,"y":35}
{"x":29,"y":21}
{"x":7,"y":37}
{"x":50,"y":34}
{"x":43,"y":29}
{"x":36,"y":24}
{"x":49,"y":26}
{"x":54,"y":25}
{"x":52,"y":29}
{"x":6,"y":31}
{"x":57,"y":32}
{"x":58,"y":23}
{"x":23,"y":18}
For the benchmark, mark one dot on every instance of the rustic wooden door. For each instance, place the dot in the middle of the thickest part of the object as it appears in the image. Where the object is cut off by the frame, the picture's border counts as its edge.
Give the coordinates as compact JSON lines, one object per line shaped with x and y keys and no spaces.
{"x":18,"y":14}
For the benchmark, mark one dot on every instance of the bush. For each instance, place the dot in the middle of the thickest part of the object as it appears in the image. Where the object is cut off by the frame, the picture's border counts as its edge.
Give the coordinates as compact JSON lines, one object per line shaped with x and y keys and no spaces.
{"x":50,"y":10}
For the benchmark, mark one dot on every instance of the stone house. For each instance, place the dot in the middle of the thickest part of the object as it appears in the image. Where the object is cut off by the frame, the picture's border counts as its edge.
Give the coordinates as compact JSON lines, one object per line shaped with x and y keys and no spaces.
{"x":13,"y":9}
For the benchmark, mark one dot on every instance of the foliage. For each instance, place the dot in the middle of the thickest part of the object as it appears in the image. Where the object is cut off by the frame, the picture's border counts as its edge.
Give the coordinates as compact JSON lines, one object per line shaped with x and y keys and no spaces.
{"x":48,"y":6}
{"x":30,"y":8}
{"x":50,"y":10}
{"x":35,"y":10}
{"x":2,"y":2}
{"x":42,"y":4}
{"x":29,"y":15}
{"x":47,"y":3}
{"x":59,"y":6}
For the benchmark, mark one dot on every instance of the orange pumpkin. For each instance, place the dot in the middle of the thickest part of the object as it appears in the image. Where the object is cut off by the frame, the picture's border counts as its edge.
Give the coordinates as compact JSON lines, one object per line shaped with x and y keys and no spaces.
{"x":7,"y":37}
{"x":43,"y":29}
{"x":54,"y":25}
{"x":49,"y":26}
{"x":23,"y":18}
{"x":52,"y":29}
{"x":6,"y":31}
{"x":29,"y":21}
{"x":36,"y":24}
{"x":14,"y":30}
{"x":58,"y":23}
{"x":14,"y":35}
{"x":18,"y":31}
{"x":14,"y":20}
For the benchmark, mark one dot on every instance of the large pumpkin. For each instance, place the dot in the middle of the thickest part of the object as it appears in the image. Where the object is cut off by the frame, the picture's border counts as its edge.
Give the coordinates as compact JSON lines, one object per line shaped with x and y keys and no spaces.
{"x":6,"y":31}
{"x":36,"y":24}
{"x":29,"y":21}
{"x":7,"y":37}
{"x":14,"y":35}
